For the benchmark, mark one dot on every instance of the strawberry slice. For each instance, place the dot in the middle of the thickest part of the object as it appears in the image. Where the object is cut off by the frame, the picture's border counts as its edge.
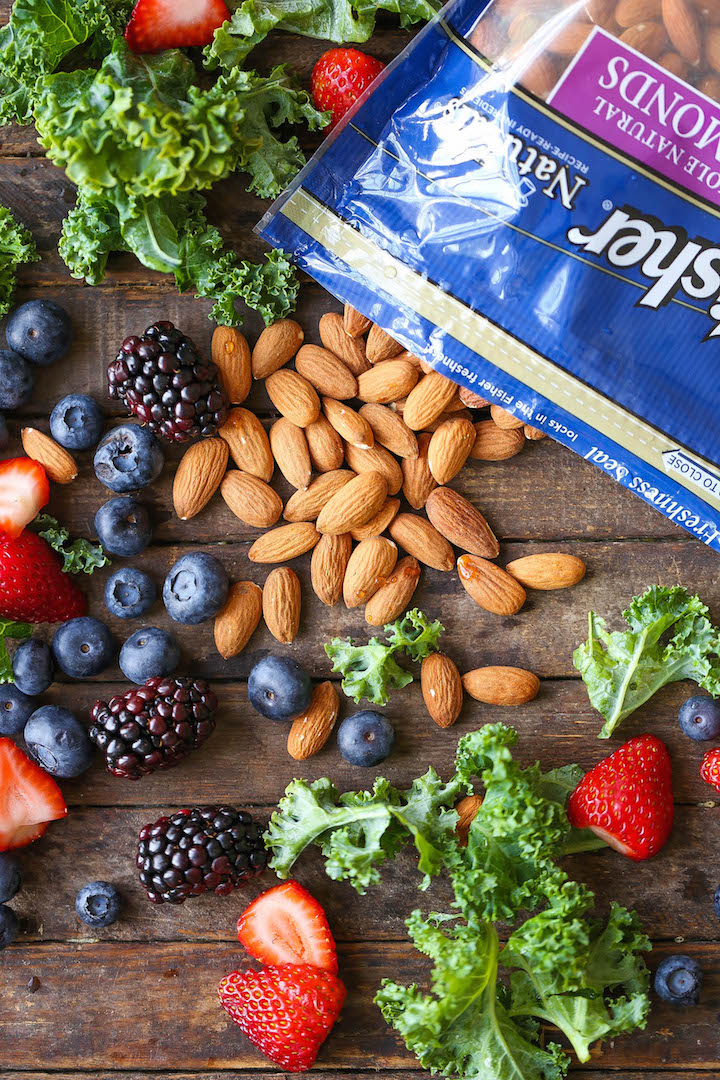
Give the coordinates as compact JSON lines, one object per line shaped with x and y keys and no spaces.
{"x":24,"y":490}
{"x":29,"y":798}
{"x":286,"y":925}
{"x":173,"y":24}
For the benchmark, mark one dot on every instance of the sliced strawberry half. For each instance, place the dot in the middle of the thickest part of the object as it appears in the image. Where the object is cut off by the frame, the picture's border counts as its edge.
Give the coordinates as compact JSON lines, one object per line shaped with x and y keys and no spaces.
{"x":29,"y":798}
{"x":24,"y":490}
{"x":173,"y":24}
{"x":286,"y":925}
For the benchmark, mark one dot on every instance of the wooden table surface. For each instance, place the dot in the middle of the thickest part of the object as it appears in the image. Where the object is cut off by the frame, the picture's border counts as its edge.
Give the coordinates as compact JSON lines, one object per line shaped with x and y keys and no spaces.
{"x":139,"y":997}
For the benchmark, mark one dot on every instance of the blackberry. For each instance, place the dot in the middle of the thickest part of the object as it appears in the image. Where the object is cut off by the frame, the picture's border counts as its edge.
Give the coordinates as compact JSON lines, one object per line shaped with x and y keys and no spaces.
{"x":162,"y":378}
{"x":209,"y":849}
{"x":153,"y":726}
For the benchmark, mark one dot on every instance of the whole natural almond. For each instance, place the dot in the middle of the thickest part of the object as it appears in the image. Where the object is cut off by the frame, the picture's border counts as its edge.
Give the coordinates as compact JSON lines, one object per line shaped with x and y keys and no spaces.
{"x":378,"y":524}
{"x":293,"y":396}
{"x":326,"y":447}
{"x":380,"y":346}
{"x":350,"y":425}
{"x":504,"y":419}
{"x":496,"y":444}
{"x":570,"y":38}
{"x":390,"y":430}
{"x":466,"y":811}
{"x":421,"y":539}
{"x":461,"y":523}
{"x":231,"y":354}
{"x":457,"y":405}
{"x":248,"y":442}
{"x":350,"y":349}
{"x":198,"y":476}
{"x":387,"y":382}
{"x":393,"y":598}
{"x":375,"y":459}
{"x":683,"y":28}
{"x":368,"y":568}
{"x":551,"y":570}
{"x":418,"y":481}
{"x":275,"y":347}
{"x":326,"y":372}
{"x":281,"y":604}
{"x":410,"y":357}
{"x":450,"y":448}
{"x":311,"y":730}
{"x":441,"y":689}
{"x":60,"y":465}
{"x":630,"y":12}
{"x":427,"y":400}
{"x":675,"y":64}
{"x":471,"y":399}
{"x":540,"y":76}
{"x":250,"y":499}
{"x":355,"y":324}
{"x":490,"y":586}
{"x":501,"y":685}
{"x":712,"y":54}
{"x":426,"y":367}
{"x":291,"y":452}
{"x":327,"y":566}
{"x":354,"y":504}
{"x":648,"y":38}
{"x":236,"y":622}
{"x":533,"y":433}
{"x":306,"y":505}
{"x":457,"y":414}
{"x":284,"y":543}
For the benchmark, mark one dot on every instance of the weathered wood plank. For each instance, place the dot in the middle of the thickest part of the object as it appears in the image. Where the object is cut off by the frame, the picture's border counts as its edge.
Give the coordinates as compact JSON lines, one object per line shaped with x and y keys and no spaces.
{"x":389,"y":1074}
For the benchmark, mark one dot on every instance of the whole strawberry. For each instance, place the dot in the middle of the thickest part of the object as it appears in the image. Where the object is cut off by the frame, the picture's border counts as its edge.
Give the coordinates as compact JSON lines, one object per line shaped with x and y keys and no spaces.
{"x":627,"y":798}
{"x":286,"y":1010}
{"x":339,"y":78}
{"x":33,"y":587}
{"x":710,"y":769}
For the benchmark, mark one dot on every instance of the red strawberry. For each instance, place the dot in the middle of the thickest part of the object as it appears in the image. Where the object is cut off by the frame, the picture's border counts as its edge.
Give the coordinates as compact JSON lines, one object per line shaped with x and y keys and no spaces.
{"x":627,"y":798}
{"x":339,"y":78}
{"x":33,"y":587}
{"x":173,"y":24}
{"x":29,"y":798}
{"x":286,"y":925}
{"x":710,"y":769}
{"x":286,"y":1010}
{"x":24,"y":490}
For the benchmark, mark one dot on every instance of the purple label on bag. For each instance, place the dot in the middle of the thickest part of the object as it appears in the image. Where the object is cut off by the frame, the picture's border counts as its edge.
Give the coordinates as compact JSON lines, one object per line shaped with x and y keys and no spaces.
{"x":645,"y":111}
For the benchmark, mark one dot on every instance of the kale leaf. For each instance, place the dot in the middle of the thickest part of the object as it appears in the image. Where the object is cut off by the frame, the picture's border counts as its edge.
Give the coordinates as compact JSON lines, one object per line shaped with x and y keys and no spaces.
{"x":79,"y":556}
{"x":16,"y":248}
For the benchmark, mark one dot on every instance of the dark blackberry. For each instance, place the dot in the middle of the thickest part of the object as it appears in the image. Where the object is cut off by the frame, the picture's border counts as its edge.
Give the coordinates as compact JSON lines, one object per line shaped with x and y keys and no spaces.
{"x":153,"y":726}
{"x":164,"y":380}
{"x":208,"y":849}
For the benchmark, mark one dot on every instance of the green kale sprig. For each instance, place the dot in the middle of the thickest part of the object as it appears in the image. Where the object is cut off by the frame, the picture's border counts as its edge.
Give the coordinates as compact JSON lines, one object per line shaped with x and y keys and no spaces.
{"x":79,"y":556}
{"x":17,"y":631}
{"x":17,"y":248}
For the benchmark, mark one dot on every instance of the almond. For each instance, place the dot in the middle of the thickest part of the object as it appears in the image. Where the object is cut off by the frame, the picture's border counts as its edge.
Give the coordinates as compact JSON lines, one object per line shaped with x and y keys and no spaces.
{"x":683,"y":28}
{"x":466,"y":811}
{"x":390,"y":430}
{"x":311,"y":730}
{"x":410,"y":357}
{"x":291,"y":452}
{"x":490,"y":586}
{"x":284,"y":543}
{"x":327,"y":566}
{"x":352,"y":427}
{"x":293,"y":396}
{"x":393,"y":598}
{"x":471,"y":399}
{"x":504,"y":419}
{"x":648,"y":38}
{"x":231,"y":353}
{"x":350,"y":349}
{"x":630,"y":12}
{"x":355,"y":324}
{"x":380,"y":346}
{"x":368,"y":568}
{"x":354,"y":504}
{"x":60,"y":465}
{"x":418,"y":481}
{"x":250,"y":499}
{"x":712,"y":55}
{"x":458,"y":414}
{"x":387,"y":382}
{"x":533,"y":433}
{"x":570,"y":39}
{"x":281,"y":601}
{"x":461,"y":523}
{"x":450,"y":448}
{"x":306,"y":505}
{"x":421,"y":539}
{"x":378,"y":524}
{"x":248,"y":442}
{"x":427,"y":400}
{"x":426,"y":368}
{"x":376,"y":459}
{"x":501,"y":685}
{"x":198,"y":476}
{"x":276,"y":345}
{"x":441,"y":689}
{"x":328,"y":374}
{"x":496,"y":444}
{"x":675,"y":64}
{"x":326,"y":447}
{"x":553,"y":570}
{"x":540,"y":76}
{"x":235,"y":624}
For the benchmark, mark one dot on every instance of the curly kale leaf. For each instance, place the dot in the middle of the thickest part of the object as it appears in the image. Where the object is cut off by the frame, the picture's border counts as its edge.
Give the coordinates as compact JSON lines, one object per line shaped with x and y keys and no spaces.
{"x":415,"y":634}
{"x":17,"y":248}
{"x":17,"y":631}
{"x":79,"y":556}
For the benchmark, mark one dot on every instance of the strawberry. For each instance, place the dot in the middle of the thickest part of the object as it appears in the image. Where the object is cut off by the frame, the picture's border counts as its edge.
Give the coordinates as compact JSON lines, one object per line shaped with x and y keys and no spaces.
{"x":710,"y":769}
{"x":286,"y":925}
{"x":33,"y":587}
{"x":286,"y":1010}
{"x":173,"y":24}
{"x":24,"y":490}
{"x":339,"y":78}
{"x":627,"y":798}
{"x":29,"y":798}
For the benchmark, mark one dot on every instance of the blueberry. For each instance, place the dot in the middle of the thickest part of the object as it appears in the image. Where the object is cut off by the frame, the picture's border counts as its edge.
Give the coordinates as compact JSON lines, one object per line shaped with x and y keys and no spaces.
{"x":16,"y":381}
{"x":15,"y":709}
{"x":98,"y":904}
{"x":123,"y":527}
{"x":699,"y":718}
{"x":129,"y":593}
{"x":128,"y":458}
{"x":8,"y":926}
{"x":279,"y":687}
{"x":196,"y":588}
{"x":40,"y":330}
{"x":149,"y":652}
{"x":4,"y":433}
{"x":77,"y":422}
{"x":365,"y":738}
{"x":83,"y":647}
{"x":57,"y":740}
{"x":678,"y":980}
{"x":11,"y":876}
{"x":33,"y":668}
